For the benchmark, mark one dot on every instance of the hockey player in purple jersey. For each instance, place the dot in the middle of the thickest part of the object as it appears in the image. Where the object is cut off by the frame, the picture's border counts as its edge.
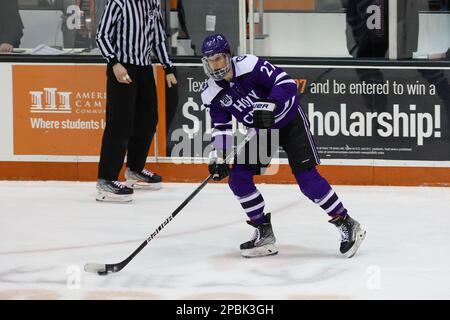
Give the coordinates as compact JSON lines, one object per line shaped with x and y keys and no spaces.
{"x":263,"y":96}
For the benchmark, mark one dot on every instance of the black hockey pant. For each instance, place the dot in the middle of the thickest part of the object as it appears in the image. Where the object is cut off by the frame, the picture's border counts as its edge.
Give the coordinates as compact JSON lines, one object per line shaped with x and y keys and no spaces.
{"x":131,"y":118}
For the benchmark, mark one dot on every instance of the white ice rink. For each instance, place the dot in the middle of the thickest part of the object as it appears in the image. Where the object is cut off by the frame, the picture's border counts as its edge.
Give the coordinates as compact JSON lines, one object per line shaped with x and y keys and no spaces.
{"x":48,"y":230}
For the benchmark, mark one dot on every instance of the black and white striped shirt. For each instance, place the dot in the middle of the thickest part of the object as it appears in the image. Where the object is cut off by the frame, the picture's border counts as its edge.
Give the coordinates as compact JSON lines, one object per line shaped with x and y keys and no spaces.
{"x":130,"y":30}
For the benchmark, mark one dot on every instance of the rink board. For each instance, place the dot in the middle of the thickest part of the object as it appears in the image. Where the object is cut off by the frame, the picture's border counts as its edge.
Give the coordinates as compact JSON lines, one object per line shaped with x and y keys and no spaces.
{"x":53,"y":118}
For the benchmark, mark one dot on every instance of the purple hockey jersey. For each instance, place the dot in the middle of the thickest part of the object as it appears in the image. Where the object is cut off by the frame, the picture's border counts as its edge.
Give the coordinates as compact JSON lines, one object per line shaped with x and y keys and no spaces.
{"x":253,"y":79}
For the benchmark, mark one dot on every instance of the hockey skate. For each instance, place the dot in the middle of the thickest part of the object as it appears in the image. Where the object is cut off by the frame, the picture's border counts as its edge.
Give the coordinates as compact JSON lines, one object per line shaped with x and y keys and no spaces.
{"x":262,"y":242}
{"x":142,"y":180}
{"x":113,"y":191}
{"x":351,"y":234}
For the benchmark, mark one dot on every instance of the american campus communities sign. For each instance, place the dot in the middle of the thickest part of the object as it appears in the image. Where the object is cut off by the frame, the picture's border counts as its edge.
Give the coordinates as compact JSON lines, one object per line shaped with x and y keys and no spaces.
{"x":58,"y":110}
{"x":354,"y":113}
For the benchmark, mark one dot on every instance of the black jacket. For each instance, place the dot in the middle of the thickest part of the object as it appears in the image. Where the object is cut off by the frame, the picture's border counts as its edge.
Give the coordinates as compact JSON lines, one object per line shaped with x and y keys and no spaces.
{"x":11,"y":25}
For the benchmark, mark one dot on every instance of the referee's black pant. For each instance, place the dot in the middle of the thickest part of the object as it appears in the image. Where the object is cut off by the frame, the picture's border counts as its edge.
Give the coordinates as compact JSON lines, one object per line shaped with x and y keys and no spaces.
{"x":131,"y":118}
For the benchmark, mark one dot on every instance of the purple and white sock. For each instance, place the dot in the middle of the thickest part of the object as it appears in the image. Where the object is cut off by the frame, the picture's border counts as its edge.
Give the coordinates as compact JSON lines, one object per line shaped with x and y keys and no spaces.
{"x":331,"y":204}
{"x":253,"y":205}
{"x":317,"y":189}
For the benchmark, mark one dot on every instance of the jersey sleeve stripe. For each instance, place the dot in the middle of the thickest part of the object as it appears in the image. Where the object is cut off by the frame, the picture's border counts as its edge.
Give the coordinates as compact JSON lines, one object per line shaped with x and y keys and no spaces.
{"x":285,"y":81}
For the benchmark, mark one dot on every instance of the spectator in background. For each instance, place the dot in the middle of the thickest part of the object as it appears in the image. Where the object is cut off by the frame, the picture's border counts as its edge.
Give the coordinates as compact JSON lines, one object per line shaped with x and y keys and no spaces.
{"x":11,"y":26}
{"x":368,"y":37}
{"x":91,"y":12}
{"x":408,"y":41}
{"x":373,"y":43}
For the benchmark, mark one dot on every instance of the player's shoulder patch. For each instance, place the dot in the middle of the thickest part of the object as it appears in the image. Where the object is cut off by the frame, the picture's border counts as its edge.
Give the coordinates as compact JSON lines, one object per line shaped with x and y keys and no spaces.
{"x":210,"y":90}
{"x":244,"y":64}
{"x":226,"y":100}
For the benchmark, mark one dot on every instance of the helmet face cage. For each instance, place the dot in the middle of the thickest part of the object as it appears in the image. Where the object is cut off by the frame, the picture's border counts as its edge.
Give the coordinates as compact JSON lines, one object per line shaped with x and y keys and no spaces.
{"x":212,"y":46}
{"x":218,"y":74}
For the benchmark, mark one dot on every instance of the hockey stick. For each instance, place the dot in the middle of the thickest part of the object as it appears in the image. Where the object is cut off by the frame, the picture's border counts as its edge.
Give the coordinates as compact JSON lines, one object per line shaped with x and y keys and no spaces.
{"x":104,"y":269}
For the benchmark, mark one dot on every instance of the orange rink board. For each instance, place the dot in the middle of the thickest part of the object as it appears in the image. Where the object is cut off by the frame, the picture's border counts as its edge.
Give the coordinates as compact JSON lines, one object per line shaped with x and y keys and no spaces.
{"x":340,"y":175}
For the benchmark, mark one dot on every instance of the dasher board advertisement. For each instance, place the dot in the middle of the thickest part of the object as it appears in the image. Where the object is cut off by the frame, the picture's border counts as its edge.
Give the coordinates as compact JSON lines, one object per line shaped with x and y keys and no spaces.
{"x":58,"y":110}
{"x":381,"y":113}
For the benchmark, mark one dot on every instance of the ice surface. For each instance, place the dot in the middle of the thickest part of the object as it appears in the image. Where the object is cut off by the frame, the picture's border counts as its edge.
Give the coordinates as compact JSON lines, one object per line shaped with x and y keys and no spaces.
{"x":49,"y":230}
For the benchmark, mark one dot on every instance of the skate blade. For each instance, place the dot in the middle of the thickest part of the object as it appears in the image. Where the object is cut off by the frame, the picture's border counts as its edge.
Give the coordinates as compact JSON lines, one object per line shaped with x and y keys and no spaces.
{"x":360,"y":235}
{"x":110,"y":197}
{"x":143,"y":185}
{"x":263,"y":251}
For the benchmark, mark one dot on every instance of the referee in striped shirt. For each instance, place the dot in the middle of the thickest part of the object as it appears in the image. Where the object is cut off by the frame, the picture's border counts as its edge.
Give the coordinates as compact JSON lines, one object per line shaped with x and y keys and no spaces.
{"x":129,"y":32}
